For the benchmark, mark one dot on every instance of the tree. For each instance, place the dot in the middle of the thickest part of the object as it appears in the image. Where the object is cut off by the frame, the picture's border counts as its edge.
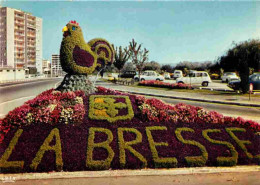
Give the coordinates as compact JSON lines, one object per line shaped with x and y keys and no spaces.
{"x":167,"y":68}
{"x":241,"y":57}
{"x":121,"y":57}
{"x":155,"y":66}
{"x":129,"y":66}
{"x":138,"y":56}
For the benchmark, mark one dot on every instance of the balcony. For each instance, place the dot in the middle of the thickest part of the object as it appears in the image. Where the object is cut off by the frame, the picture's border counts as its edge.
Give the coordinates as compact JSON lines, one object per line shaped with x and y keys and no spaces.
{"x":19,"y":17}
{"x":19,"y":52}
{"x":19,"y":46}
{"x":31,"y":46}
{"x":18,"y":61}
{"x":31,"y":20}
{"x":31,"y":36}
{"x":18,"y":23}
{"x":19,"y":28}
{"x":19,"y":39}
{"x":31,"y":26}
{"x":19,"y":34}
{"x":31,"y":64}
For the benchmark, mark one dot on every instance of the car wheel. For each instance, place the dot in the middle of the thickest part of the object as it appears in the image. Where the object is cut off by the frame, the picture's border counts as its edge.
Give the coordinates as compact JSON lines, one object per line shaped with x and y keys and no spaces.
{"x":226,"y":80}
{"x":158,"y":79}
{"x":137,"y":79}
{"x":180,"y":83}
{"x":205,"y":84}
{"x":142,"y":79}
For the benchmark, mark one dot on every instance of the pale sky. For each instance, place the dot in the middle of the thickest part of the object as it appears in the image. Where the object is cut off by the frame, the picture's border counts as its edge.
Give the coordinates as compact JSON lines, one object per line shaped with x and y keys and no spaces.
{"x":171,"y":31}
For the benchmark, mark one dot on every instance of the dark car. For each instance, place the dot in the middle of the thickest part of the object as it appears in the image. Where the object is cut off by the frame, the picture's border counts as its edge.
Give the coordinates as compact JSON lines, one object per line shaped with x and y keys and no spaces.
{"x":253,"y":79}
{"x":127,"y":74}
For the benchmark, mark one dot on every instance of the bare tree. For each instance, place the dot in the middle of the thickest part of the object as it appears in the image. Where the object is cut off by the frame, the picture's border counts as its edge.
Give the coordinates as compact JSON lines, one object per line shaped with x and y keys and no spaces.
{"x":121,"y":57}
{"x":138,"y":56}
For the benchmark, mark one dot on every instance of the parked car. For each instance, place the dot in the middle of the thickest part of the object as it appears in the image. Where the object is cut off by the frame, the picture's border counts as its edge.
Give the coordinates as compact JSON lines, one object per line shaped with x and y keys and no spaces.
{"x":127,"y":74}
{"x":149,"y":75}
{"x":229,"y":76}
{"x":253,"y":79}
{"x":177,"y":74}
{"x":196,"y":77}
{"x":214,"y":76}
{"x":167,"y":75}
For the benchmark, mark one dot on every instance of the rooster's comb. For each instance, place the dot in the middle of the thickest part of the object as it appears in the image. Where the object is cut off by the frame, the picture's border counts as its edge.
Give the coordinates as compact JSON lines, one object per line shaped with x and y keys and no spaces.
{"x":74,"y":22}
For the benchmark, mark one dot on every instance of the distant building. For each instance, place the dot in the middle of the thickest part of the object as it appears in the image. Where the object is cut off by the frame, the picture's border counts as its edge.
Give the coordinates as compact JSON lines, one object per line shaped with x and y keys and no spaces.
{"x":46,"y":66}
{"x":56,"y":66}
{"x":20,"y":40}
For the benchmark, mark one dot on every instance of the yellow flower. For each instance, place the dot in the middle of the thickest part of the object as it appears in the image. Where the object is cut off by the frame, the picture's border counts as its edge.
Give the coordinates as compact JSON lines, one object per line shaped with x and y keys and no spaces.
{"x":99,"y":100}
{"x":102,"y":112}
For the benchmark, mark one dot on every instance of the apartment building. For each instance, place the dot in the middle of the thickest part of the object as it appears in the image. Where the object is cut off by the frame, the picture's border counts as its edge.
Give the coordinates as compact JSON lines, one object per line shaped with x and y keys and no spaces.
{"x":56,"y":69}
{"x":20,"y":40}
{"x":46,"y":66}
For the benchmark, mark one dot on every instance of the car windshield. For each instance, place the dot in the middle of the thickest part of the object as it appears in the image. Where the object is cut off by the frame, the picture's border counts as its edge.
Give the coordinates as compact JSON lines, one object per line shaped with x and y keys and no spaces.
{"x":254,"y":77}
{"x":177,"y":72}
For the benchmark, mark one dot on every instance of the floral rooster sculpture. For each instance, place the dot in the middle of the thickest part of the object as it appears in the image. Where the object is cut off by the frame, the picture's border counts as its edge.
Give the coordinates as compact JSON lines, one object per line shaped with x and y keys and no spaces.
{"x":78,"y":58}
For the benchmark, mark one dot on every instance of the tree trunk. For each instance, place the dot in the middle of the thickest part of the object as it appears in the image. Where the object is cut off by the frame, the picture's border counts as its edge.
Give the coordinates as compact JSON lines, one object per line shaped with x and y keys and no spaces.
{"x":244,"y":76}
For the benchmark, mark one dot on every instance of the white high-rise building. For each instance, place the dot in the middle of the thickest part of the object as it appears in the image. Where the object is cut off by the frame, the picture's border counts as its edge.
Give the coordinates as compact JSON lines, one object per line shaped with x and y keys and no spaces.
{"x":20,"y":40}
{"x":46,"y":66}
{"x":56,"y":69}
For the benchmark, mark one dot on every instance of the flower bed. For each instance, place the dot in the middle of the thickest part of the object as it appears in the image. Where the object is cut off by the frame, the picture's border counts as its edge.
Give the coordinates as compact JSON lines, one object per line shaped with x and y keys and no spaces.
{"x":156,"y":83}
{"x":113,"y":130}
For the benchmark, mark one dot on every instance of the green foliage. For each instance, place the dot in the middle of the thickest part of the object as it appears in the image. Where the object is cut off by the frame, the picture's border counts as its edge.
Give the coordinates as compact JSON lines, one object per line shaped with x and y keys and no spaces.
{"x":222,"y":161}
{"x":241,"y":143}
{"x":46,"y":147}
{"x":94,"y":47}
{"x":103,"y":107}
{"x":6,"y":165}
{"x":155,"y":66}
{"x":167,"y":68}
{"x":99,"y":164}
{"x":159,"y":162}
{"x":192,"y":160}
{"x":126,"y":145}
{"x":241,"y":57}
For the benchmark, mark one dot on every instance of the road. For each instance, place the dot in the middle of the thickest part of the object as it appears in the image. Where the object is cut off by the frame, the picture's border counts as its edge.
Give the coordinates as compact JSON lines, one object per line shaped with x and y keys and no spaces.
{"x":15,"y":95}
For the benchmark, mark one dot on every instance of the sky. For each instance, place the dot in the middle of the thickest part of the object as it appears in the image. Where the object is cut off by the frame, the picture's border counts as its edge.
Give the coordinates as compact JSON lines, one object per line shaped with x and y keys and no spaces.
{"x":172,"y":31}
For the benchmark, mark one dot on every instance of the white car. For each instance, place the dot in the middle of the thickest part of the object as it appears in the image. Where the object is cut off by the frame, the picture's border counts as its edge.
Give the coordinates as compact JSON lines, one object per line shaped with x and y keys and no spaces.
{"x":177,"y":74}
{"x":149,"y":75}
{"x":196,"y":77}
{"x":167,"y":75}
{"x":229,"y":76}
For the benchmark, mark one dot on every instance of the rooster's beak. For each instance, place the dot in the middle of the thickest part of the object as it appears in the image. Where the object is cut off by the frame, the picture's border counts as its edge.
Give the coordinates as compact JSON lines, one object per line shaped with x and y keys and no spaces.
{"x":65,"y":29}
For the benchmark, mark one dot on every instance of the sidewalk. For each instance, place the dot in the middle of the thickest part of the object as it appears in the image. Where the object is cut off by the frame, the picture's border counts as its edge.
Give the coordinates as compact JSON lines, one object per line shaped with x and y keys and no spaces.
{"x":211,"y":98}
{"x":190,"y":176}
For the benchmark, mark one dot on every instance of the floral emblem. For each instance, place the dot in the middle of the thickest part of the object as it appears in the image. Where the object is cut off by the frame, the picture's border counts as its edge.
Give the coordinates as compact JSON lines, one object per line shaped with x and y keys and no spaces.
{"x":107,"y":107}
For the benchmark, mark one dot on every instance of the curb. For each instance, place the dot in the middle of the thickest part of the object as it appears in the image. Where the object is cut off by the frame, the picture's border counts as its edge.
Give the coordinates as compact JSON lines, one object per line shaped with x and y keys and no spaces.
{"x":194,"y":99}
{"x":23,"y":82}
{"x":127,"y":173}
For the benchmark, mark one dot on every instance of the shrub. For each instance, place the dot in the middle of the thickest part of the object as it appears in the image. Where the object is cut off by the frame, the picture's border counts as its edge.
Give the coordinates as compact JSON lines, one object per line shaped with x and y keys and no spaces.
{"x":155,"y":83}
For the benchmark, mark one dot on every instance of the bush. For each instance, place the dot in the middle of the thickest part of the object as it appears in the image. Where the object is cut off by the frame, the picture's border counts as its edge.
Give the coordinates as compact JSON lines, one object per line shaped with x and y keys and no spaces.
{"x":156,"y":83}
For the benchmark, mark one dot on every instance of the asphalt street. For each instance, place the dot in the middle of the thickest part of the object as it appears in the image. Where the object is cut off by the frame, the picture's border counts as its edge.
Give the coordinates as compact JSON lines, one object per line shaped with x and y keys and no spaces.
{"x":14,"y":95}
